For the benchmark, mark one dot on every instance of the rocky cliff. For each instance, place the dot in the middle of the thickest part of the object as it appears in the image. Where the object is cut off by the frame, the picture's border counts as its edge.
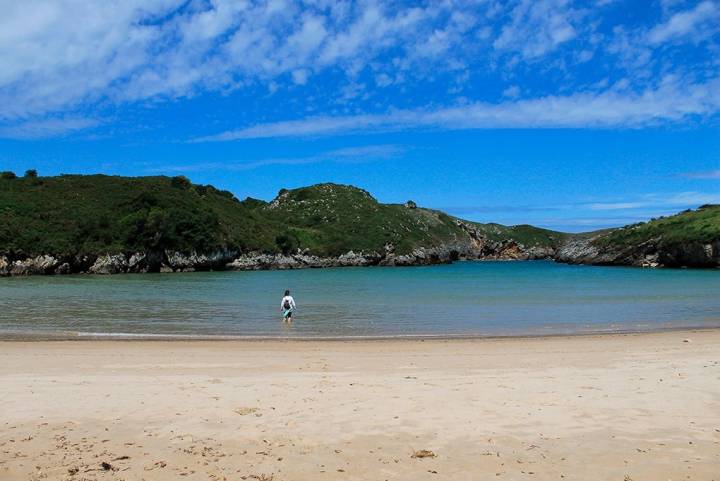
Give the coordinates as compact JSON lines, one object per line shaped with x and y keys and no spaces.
{"x":109,"y":225}
{"x":472,"y":246}
{"x":652,"y":253}
{"x":687,"y":239}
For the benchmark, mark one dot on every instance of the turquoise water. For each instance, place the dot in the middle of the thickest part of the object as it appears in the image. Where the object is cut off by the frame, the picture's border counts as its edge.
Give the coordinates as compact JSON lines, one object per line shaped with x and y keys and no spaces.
{"x":465,"y":298}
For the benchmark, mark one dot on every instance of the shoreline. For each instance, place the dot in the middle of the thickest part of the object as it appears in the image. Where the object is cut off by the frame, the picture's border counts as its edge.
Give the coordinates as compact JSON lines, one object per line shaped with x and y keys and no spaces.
{"x":624,"y":406}
{"x":27,"y":267}
{"x":192,"y":338}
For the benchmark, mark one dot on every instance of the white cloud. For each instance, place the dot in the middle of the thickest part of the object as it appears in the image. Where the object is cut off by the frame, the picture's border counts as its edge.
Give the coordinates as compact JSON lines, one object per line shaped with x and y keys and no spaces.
{"x":360,"y":154}
{"x":300,"y":76}
{"x":692,"y":198}
{"x":616,"y":205}
{"x":669,"y":101}
{"x":134,"y":50}
{"x":537,"y":27}
{"x":677,"y":200}
{"x":54,"y":54}
{"x":708,"y":174}
{"x":512,"y":92}
{"x":52,"y":127}
{"x":52,"y":65}
{"x":705,"y":14}
{"x":383,"y":80}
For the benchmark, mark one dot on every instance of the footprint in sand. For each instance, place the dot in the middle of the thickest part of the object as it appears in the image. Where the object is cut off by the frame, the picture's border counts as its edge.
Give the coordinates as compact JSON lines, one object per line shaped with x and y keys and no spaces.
{"x":244,"y":411}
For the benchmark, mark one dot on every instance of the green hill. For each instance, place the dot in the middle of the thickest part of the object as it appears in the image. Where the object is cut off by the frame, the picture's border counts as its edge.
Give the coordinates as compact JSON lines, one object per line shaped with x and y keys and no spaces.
{"x":92,"y":215}
{"x":73,"y":215}
{"x":330,"y":219}
{"x":690,"y":238}
{"x":688,"y":227}
{"x":525,"y":234}
{"x":170,"y":223}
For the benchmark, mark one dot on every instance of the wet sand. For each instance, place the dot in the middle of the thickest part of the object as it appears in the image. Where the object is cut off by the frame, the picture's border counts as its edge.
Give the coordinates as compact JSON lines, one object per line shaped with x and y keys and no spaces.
{"x":616,"y":407}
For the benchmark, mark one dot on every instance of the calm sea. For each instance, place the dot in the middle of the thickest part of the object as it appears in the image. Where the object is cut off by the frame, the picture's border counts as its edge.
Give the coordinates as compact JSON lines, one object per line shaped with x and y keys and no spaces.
{"x":463,"y":299}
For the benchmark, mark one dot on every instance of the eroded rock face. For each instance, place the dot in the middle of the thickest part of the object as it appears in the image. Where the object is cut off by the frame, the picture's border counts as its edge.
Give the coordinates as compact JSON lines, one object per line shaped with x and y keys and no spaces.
{"x":652,"y":253}
{"x":478,"y":246}
{"x":691,"y":255}
{"x":257,"y":261}
{"x":578,"y":250}
{"x":358,"y":259}
{"x":34,"y":265}
{"x":177,"y":261}
{"x":574,"y":250}
{"x":145,"y":262}
{"x":63,"y":268}
{"x":109,"y":264}
{"x":539,"y":253}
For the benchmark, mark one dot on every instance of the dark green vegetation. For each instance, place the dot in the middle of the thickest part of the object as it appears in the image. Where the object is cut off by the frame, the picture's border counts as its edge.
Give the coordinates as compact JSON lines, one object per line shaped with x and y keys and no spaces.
{"x":89,"y":215}
{"x":72,"y":215}
{"x":524,"y":234}
{"x":331,"y":219}
{"x":688,"y":227}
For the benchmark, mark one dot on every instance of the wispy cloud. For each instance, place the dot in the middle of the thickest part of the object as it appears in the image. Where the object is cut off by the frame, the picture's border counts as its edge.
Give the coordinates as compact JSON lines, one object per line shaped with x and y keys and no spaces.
{"x":366,"y":153}
{"x":490,"y":209}
{"x":703,"y":19}
{"x":669,"y":101}
{"x":573,"y":216}
{"x":132,"y":51}
{"x":668,"y":200}
{"x":538,"y":27}
{"x":591,"y":223}
{"x":616,"y":205}
{"x":137,"y":50}
{"x":708,"y":174}
{"x":52,"y":127}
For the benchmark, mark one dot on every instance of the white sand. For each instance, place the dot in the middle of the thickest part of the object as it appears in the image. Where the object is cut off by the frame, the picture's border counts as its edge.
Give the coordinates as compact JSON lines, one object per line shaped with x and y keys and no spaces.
{"x":639,"y":407}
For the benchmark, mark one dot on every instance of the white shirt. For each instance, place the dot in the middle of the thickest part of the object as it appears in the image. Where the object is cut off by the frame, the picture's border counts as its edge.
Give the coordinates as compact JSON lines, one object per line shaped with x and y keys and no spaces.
{"x":287,"y":298}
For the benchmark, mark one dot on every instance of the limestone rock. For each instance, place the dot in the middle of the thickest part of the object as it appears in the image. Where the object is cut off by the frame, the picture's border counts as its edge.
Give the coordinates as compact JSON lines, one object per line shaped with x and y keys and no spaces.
{"x":4,"y":266}
{"x":34,"y":265}
{"x":178,"y":261}
{"x":109,"y":264}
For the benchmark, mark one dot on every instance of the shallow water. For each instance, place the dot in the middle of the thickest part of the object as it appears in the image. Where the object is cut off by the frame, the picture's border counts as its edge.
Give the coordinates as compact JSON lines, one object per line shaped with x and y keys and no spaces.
{"x":462,"y":299}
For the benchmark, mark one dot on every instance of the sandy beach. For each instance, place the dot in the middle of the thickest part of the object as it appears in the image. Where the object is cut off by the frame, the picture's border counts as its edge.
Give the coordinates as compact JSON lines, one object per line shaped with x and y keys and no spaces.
{"x":616,"y":407}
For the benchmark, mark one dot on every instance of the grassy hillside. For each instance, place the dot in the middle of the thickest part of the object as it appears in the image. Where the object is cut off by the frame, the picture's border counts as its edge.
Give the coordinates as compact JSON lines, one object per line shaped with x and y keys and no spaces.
{"x":527,"y":235}
{"x":330,"y":219}
{"x":688,"y":227}
{"x":71,"y":214}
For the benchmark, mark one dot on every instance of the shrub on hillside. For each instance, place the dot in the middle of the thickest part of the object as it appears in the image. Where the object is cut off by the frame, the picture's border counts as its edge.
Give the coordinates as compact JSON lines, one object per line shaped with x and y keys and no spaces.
{"x":287,"y":242}
{"x":180,"y":182}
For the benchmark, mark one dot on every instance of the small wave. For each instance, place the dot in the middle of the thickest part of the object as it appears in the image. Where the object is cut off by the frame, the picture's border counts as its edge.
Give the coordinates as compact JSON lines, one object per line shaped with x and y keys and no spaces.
{"x":150,"y":335}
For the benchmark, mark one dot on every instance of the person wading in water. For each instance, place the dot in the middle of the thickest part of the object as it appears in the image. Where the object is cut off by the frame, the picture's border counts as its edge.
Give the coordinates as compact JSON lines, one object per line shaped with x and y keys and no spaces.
{"x":287,"y":305}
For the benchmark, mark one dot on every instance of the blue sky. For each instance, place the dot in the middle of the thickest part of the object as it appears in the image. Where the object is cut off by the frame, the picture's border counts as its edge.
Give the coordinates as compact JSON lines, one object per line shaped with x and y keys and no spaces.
{"x":570,"y":115}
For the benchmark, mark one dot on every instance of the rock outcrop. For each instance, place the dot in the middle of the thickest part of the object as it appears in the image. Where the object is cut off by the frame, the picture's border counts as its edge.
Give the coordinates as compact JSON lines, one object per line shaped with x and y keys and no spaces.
{"x":44,"y":264}
{"x":582,"y":250}
{"x":259,"y":261}
{"x":481,"y":247}
{"x":473,"y":245}
{"x":654,"y":252}
{"x":472,"y":248}
{"x":109,"y":264}
{"x":138,"y":262}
